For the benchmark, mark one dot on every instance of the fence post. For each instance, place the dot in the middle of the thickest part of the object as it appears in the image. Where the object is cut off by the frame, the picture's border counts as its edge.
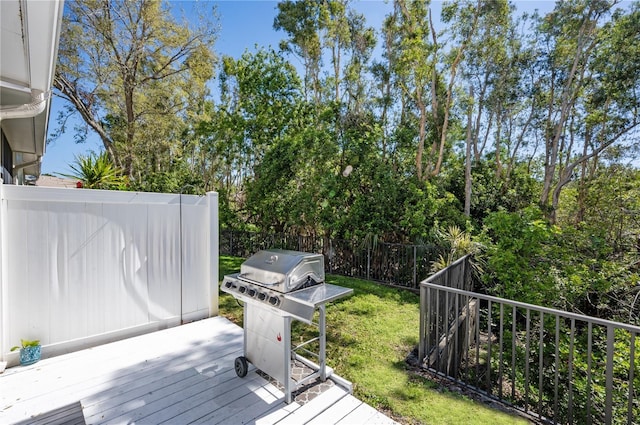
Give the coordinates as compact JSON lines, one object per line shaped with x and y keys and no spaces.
{"x":423,"y":328}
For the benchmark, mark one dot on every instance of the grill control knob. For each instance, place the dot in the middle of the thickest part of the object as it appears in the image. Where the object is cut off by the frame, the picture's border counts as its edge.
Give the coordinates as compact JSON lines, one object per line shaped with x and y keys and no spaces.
{"x":274,"y":301}
{"x":251,"y":292}
{"x":227,"y":285}
{"x":242,"y":289}
{"x":262,"y":296}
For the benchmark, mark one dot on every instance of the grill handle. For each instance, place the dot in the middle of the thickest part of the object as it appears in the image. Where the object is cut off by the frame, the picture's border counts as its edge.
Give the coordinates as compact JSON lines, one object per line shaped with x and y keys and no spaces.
{"x":244,"y":277}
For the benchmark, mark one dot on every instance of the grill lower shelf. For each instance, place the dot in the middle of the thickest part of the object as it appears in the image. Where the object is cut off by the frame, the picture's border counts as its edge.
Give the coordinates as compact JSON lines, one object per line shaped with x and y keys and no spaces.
{"x":307,"y":392}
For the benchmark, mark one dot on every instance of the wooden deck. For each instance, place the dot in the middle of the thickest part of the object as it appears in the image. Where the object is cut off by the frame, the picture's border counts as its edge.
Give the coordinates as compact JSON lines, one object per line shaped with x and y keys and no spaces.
{"x":176,"y":376}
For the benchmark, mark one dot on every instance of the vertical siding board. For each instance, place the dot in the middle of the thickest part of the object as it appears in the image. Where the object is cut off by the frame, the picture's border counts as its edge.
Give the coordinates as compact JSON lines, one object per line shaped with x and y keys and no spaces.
{"x":19,"y":290}
{"x":95,"y":270}
{"x":113,"y":262}
{"x":195,"y":262}
{"x":162,"y":237}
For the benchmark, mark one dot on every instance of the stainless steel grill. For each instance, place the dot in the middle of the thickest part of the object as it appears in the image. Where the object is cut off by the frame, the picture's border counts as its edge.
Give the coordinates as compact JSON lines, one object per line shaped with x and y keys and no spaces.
{"x":276,"y":287}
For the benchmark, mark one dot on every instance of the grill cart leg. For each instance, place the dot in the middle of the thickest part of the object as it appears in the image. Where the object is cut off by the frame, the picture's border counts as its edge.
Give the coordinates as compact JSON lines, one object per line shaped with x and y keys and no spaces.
{"x":287,"y":360}
{"x":322,"y":355}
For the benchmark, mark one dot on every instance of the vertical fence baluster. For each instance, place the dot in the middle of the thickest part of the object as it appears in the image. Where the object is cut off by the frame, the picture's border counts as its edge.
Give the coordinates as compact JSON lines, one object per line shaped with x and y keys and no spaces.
{"x":632,"y":356}
{"x":437,"y":330}
{"x":456,"y":336}
{"x":477,"y":339}
{"x":540,"y":360}
{"x":557,"y":364}
{"x":500,"y":367}
{"x":489,"y":314}
{"x":368,"y":260}
{"x":415,"y":266}
{"x":331,"y":256}
{"x":609,"y":375}
{"x":526,"y":361}
{"x":589,"y":344}
{"x":467,"y":345}
{"x":424,"y":301}
{"x":571,"y":342}
{"x":514,"y":313}
{"x":447,"y":326}
{"x":428,"y":348}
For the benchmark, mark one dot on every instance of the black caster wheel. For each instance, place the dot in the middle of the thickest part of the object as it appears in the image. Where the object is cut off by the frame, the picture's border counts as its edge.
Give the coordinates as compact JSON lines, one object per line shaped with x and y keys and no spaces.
{"x":241,"y":366}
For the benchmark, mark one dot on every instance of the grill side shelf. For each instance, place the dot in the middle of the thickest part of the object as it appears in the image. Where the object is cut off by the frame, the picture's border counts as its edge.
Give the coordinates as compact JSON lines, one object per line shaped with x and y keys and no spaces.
{"x":320,"y":294}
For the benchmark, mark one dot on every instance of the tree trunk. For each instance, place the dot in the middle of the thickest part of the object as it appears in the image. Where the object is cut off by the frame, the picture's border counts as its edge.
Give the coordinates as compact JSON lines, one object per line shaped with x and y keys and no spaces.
{"x":498,"y":143}
{"x":421,"y":138}
{"x":467,"y":163}
{"x":452,"y":78}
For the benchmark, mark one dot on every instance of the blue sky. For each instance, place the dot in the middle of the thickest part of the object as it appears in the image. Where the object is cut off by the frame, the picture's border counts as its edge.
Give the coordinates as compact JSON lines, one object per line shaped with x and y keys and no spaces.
{"x":243,"y":25}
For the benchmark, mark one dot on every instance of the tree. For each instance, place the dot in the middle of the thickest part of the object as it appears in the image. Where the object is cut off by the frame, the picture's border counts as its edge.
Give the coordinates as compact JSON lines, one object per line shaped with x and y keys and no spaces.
{"x":250,"y":140}
{"x":411,"y":54}
{"x":301,"y":21}
{"x":134,"y":74}
{"x":499,"y":110}
{"x":591,"y":82}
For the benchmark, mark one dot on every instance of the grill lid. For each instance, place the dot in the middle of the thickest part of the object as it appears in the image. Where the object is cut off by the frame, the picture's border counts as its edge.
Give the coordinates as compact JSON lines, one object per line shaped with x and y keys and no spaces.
{"x":283,"y":270}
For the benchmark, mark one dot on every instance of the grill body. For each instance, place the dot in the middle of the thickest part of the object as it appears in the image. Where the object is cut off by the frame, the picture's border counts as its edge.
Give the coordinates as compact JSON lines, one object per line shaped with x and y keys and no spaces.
{"x":277,"y":287}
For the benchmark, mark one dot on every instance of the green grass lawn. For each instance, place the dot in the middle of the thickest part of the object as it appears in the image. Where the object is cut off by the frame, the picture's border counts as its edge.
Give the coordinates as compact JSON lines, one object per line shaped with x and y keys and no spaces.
{"x":368,"y":338}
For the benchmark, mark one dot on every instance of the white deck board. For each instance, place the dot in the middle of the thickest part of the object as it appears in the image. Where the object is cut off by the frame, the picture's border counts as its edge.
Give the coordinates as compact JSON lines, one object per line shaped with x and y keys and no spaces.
{"x":175,"y":376}
{"x":315,"y":407}
{"x":338,"y":411}
{"x":365,"y":414}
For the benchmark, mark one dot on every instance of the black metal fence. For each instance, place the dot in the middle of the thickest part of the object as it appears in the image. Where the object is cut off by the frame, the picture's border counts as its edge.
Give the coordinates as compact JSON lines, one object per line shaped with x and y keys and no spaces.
{"x":395,"y":264}
{"x":558,"y":366}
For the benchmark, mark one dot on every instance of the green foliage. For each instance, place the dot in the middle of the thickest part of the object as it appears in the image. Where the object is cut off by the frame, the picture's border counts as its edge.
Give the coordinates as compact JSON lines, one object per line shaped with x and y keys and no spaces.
{"x":177,"y":179}
{"x":490,"y":193}
{"x":24,"y":343}
{"x":96,"y":171}
{"x":458,"y":243}
{"x":571,"y":269}
{"x":518,"y":251}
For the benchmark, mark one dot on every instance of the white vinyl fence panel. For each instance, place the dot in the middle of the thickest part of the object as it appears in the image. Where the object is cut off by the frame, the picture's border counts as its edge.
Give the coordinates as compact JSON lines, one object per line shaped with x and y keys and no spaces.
{"x":80,"y":267}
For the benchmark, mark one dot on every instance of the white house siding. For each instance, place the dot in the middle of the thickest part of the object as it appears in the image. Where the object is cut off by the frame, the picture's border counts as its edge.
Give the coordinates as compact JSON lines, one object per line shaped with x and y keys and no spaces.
{"x":82,"y":267}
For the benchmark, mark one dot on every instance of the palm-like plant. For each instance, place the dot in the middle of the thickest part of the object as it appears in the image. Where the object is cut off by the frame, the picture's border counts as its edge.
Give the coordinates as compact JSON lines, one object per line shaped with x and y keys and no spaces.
{"x":460,"y":244}
{"x":96,"y":171}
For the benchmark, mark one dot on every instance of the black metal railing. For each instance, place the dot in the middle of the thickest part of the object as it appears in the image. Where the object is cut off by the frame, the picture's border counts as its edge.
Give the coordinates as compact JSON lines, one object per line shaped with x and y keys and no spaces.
{"x":560,"y":367}
{"x":396,"y":264}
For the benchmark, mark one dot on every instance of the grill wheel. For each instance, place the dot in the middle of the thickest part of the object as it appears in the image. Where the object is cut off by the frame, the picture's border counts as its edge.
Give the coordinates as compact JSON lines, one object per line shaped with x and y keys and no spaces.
{"x":241,"y":366}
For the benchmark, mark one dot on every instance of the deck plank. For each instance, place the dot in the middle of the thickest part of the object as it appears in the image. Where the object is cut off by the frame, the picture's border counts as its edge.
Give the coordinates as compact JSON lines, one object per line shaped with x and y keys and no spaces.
{"x":364,"y":414}
{"x":315,"y":407}
{"x":245,"y":409}
{"x":337,"y":411}
{"x":178,"y":375}
{"x":138,"y":386}
{"x":65,"y":415}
